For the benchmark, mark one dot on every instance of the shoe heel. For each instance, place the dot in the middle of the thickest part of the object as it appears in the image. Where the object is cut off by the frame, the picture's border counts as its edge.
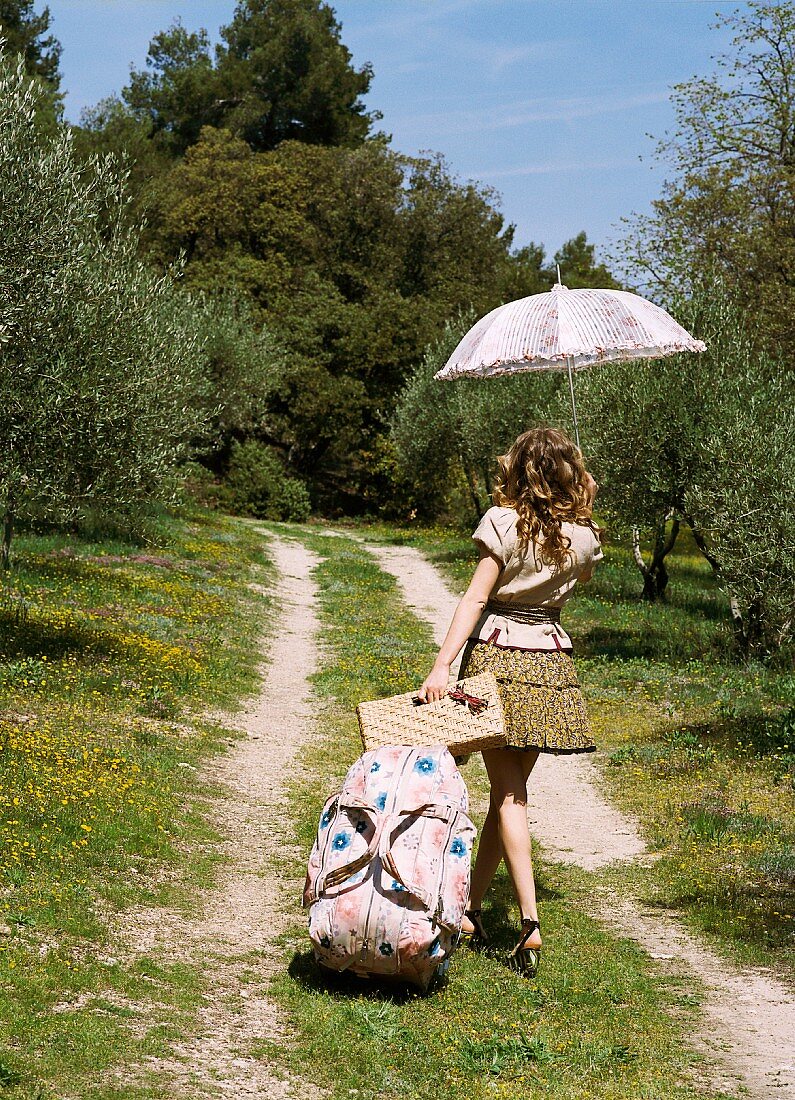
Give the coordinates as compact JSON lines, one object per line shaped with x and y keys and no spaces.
{"x":477,"y":937}
{"x":523,"y":958}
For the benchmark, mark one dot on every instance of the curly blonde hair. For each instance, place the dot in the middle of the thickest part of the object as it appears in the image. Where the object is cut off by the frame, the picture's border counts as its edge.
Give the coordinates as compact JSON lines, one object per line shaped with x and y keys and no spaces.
{"x":544,"y":478}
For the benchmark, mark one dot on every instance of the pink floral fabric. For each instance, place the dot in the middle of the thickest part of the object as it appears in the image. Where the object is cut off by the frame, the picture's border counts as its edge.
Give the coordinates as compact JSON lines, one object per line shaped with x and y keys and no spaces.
{"x":389,"y":869}
{"x":583,"y":327}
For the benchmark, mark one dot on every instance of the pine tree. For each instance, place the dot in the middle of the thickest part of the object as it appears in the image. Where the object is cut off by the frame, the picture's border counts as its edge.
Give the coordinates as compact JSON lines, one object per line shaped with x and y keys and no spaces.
{"x":24,"y":33}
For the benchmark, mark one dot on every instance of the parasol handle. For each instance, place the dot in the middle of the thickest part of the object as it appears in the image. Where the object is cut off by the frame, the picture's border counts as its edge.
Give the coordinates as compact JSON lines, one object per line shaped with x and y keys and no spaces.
{"x":573,"y":404}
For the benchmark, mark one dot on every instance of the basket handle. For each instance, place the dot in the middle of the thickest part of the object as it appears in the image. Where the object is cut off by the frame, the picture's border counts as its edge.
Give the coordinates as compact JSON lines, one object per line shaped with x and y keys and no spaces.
{"x":458,"y":695}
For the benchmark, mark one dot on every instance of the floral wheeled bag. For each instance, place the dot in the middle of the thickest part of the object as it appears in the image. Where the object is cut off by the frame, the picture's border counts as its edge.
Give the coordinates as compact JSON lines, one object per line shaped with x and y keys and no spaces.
{"x":388,"y":877}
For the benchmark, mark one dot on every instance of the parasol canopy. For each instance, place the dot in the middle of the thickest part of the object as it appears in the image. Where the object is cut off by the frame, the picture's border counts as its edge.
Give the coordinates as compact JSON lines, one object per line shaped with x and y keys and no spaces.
{"x":567,"y":330}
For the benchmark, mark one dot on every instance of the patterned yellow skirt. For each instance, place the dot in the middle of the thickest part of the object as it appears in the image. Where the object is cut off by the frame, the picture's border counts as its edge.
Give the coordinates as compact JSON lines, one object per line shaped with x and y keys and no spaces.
{"x":540,"y":694}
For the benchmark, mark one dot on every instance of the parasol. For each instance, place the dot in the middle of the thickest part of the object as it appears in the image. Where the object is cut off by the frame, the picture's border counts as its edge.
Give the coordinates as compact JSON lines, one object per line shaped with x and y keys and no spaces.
{"x":567,"y":330}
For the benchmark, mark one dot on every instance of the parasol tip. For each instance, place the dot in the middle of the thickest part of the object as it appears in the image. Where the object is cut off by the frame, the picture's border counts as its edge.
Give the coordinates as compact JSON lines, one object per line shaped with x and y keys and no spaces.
{"x":558,"y":285}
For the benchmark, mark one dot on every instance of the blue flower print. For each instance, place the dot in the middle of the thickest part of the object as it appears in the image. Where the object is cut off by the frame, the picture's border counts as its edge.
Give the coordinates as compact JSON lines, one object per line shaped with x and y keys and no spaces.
{"x":385,"y":948}
{"x":397,"y":887}
{"x":375,"y":767}
{"x":425,"y":765}
{"x":380,"y":801}
{"x":341,"y":841}
{"x":325,"y":820}
{"x":458,"y":848}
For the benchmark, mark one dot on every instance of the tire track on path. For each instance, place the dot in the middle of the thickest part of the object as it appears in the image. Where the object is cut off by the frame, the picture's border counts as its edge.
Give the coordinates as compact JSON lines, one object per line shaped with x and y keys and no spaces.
{"x":748,"y":1031}
{"x":241,"y":916}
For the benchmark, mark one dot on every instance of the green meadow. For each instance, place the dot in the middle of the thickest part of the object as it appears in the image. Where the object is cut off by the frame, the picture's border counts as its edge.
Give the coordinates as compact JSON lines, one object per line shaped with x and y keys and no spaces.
{"x":115,"y":656}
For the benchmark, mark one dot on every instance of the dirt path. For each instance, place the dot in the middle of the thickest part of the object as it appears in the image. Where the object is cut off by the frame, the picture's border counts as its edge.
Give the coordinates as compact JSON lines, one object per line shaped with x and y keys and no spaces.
{"x":233,"y":936}
{"x":748,"y":1018}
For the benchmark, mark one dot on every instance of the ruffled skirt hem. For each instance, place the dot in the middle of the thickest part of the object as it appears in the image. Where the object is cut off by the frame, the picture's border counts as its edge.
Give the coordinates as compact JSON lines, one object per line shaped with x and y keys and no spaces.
{"x":540,"y":695}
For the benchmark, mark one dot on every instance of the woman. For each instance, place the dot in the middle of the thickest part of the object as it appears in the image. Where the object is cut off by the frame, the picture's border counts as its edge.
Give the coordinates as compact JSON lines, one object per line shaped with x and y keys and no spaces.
{"x":535,"y":544}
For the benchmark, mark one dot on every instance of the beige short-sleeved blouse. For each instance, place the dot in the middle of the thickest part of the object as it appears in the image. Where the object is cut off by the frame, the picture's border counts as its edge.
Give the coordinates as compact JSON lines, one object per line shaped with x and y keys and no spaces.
{"x":526,"y":580}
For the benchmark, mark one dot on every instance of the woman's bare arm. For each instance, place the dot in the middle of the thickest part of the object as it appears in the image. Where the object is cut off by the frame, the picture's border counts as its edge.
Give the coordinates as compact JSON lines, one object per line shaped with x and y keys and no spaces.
{"x":466,"y":615}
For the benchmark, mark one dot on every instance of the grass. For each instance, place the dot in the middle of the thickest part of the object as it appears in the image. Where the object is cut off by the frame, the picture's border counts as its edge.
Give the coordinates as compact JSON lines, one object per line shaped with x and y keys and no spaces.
{"x":109,"y":653}
{"x":600,"y":1021}
{"x":698,"y":746}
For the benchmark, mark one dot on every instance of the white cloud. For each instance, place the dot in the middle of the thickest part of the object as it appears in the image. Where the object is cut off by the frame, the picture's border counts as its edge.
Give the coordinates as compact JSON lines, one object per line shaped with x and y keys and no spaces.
{"x":554,"y":169}
{"x":409,"y":16}
{"x":551,"y":109}
{"x":502,"y":57}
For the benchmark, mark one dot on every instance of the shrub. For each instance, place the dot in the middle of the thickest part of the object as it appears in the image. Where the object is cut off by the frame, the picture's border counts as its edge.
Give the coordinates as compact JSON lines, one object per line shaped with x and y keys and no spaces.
{"x":241,"y":362}
{"x":446,"y":432}
{"x":291,"y":500}
{"x":258,"y":485}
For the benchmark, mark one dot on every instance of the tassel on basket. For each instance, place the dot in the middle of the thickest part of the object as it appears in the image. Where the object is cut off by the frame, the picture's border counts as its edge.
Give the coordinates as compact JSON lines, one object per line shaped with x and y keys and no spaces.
{"x":468,"y":719}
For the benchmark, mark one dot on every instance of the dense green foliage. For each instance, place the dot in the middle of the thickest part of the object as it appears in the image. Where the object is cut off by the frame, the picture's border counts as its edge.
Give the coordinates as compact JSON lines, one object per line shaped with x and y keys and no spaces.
{"x":241,"y":361}
{"x":257,"y":485}
{"x":355,"y":257}
{"x":24,"y":32}
{"x":447,"y":434}
{"x":281,"y":73}
{"x":255,"y":162}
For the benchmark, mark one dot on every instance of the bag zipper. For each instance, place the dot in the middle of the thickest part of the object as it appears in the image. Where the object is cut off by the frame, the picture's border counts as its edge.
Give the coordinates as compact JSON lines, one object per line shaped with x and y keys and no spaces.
{"x":367,"y":952}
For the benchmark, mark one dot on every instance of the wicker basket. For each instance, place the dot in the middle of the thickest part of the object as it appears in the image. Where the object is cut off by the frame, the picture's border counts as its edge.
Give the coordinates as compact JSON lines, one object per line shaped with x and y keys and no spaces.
{"x":458,"y":722}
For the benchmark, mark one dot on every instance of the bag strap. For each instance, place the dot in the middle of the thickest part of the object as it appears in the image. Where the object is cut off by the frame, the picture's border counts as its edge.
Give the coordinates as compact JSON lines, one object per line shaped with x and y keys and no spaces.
{"x":384,"y":828}
{"x":335,"y":876}
{"x":444,"y":811}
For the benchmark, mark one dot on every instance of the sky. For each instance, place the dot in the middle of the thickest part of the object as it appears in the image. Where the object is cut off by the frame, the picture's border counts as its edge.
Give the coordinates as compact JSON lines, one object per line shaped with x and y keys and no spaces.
{"x":556,"y":104}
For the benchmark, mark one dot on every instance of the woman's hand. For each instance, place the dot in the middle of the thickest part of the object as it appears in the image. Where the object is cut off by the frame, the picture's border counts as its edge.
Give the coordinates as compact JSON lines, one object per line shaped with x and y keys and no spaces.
{"x":436,"y":683}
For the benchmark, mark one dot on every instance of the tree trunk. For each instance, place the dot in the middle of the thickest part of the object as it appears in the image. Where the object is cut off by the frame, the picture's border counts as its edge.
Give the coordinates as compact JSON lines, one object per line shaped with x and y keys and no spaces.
{"x":472,"y":483}
{"x":655,"y":574}
{"x":742,"y":630}
{"x":701,"y":543}
{"x":8,"y":531}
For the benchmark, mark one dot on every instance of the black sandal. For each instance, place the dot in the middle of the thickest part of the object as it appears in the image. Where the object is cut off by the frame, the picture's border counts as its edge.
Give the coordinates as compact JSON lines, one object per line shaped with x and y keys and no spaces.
{"x":526,"y":959}
{"x":478,"y":936}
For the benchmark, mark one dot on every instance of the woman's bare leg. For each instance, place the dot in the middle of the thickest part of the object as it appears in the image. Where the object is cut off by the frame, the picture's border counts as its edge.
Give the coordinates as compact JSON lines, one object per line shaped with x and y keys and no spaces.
{"x":488,"y":858}
{"x":505,"y":833}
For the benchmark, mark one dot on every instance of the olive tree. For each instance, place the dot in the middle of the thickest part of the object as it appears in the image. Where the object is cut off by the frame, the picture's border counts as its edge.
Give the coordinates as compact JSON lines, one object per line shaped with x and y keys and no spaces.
{"x":99,"y":368}
{"x":729,"y":199}
{"x":703,"y":440}
{"x":742,"y":504}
